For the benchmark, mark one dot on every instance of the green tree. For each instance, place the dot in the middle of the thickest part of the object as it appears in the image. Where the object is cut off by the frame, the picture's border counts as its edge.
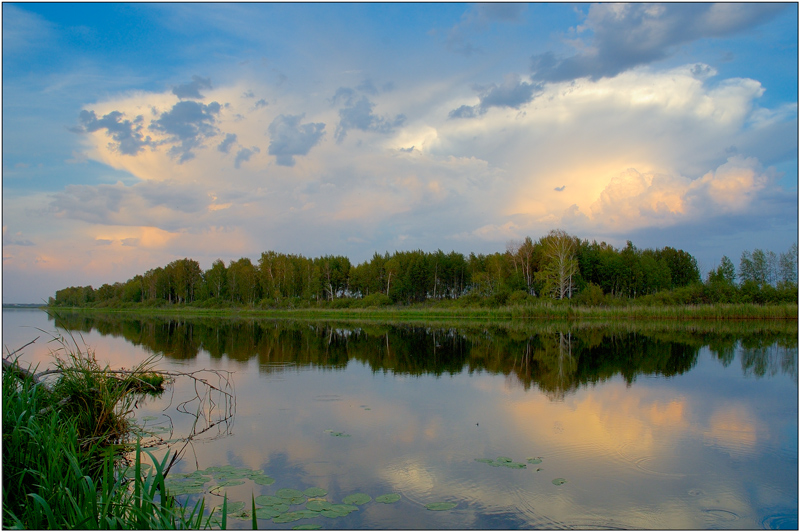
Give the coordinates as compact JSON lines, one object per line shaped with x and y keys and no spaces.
{"x":561,"y":266}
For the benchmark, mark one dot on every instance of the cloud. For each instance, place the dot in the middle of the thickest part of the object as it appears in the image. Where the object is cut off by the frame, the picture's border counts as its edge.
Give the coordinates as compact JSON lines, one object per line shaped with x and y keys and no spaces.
{"x":127,"y":134}
{"x":244,"y":155}
{"x":624,"y":36}
{"x":513,"y":93}
{"x":166,"y":204}
{"x":188,"y":123}
{"x":477,"y":19}
{"x":103,"y":242}
{"x":225,"y":145}
{"x":290,"y":138}
{"x":358,"y":115}
{"x":635,"y":200}
{"x":191,"y":90}
{"x":560,"y":189}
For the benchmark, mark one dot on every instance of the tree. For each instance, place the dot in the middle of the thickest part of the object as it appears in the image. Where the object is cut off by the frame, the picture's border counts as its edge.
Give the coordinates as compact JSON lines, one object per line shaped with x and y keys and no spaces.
{"x":788,"y":266}
{"x":725,"y":273}
{"x":560,"y":265}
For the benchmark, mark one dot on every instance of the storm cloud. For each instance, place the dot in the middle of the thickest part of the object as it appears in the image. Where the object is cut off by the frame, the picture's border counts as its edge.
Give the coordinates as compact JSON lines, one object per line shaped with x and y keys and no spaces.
{"x":290,"y":138}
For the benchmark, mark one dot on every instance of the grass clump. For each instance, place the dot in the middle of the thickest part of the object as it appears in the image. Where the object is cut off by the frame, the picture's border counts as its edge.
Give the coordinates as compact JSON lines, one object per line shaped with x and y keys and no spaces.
{"x":63,"y":454}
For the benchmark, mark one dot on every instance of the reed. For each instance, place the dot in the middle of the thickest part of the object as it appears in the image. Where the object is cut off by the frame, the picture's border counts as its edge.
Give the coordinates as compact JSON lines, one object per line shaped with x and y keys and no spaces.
{"x":61,"y":473}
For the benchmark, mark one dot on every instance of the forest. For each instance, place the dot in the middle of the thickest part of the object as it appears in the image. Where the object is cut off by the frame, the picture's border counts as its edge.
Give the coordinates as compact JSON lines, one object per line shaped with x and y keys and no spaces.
{"x":557,"y":266}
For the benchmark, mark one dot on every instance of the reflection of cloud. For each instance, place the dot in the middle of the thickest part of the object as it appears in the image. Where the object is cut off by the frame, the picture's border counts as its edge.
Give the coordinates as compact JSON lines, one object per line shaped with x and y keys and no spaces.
{"x":734,"y":430}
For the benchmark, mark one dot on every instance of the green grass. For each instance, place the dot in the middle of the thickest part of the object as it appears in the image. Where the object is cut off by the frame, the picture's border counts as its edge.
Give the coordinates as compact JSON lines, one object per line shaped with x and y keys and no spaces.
{"x":536,"y":310}
{"x":62,"y":462}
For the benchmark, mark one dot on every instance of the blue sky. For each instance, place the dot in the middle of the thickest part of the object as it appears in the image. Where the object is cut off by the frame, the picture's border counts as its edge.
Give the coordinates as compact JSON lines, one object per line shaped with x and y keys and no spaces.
{"x":135,"y":134}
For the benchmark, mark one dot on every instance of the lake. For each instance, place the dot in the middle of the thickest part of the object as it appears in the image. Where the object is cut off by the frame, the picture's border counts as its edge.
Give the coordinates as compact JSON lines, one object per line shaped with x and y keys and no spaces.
{"x":590,"y":425}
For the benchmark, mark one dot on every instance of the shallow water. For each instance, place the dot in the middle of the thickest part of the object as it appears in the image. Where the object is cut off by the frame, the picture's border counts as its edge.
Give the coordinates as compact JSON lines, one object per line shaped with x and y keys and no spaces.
{"x":649,"y":428}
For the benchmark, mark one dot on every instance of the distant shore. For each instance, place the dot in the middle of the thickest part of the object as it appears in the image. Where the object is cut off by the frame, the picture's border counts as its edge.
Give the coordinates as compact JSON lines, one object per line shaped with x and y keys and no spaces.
{"x":546,"y":310}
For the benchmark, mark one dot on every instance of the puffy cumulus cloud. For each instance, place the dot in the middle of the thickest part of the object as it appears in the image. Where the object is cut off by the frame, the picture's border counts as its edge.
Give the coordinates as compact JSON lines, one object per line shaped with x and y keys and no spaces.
{"x":127,"y":134}
{"x":624,"y":36}
{"x":291,"y":138}
{"x":191,"y":90}
{"x":635,"y":200}
{"x":187,"y":124}
{"x":225,"y":145}
{"x":357,"y":114}
{"x":513,"y":93}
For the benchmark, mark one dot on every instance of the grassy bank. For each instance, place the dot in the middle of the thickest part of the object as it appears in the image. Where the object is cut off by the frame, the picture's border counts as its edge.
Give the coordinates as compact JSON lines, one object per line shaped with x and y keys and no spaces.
{"x":538,"y":310}
{"x":63,"y":453}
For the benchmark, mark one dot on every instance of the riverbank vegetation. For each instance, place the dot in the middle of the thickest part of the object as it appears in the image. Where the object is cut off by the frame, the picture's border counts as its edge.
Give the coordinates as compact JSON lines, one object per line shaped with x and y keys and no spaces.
{"x":556,"y":268}
{"x":68,"y":445}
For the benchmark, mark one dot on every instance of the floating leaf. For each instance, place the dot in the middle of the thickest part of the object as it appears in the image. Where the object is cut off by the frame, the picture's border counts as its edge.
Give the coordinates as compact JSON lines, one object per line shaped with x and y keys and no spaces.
{"x":514,"y":465}
{"x":389,"y":498}
{"x":263,"y":480}
{"x":269,"y":500}
{"x":504,"y":459}
{"x":537,"y":460}
{"x":440,"y":506}
{"x":289,"y":493}
{"x":287,"y":517}
{"x":308,"y":526}
{"x":233,"y":507}
{"x":559,"y":481}
{"x":269,"y":512}
{"x":315,"y":492}
{"x":149,"y":418}
{"x":357,"y":499}
{"x":318,"y":505}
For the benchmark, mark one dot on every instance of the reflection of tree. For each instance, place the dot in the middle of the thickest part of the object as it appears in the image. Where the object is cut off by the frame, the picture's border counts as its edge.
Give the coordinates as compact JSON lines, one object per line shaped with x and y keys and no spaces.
{"x":769,"y":360}
{"x":557,"y":359}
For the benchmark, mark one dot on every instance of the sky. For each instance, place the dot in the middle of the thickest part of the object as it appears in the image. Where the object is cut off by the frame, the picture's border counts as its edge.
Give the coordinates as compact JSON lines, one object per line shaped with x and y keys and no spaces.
{"x":137,"y":134}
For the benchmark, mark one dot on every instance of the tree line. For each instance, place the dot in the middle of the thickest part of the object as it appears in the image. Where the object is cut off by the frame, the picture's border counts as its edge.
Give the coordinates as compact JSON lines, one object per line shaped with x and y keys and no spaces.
{"x":556,"y":266}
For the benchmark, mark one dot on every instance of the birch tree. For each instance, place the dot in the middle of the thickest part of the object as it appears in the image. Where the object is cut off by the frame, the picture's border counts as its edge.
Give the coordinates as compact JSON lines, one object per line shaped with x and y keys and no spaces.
{"x":560,"y":264}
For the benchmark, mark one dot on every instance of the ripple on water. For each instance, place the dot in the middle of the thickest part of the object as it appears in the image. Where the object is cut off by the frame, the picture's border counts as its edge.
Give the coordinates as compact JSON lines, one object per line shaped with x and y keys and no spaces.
{"x":780,"y":521}
{"x":718,"y":514}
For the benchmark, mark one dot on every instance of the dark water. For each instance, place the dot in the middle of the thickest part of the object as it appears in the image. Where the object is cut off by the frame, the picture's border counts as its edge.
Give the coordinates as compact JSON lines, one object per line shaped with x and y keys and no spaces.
{"x":682,"y":426}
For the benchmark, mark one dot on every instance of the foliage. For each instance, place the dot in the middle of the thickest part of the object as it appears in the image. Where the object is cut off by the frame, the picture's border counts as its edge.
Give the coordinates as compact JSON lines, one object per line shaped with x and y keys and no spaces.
{"x":556,"y":266}
{"x":58,"y":475}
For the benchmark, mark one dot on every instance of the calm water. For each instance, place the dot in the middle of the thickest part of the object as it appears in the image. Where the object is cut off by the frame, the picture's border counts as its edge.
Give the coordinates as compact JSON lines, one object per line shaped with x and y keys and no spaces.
{"x":690,"y":428}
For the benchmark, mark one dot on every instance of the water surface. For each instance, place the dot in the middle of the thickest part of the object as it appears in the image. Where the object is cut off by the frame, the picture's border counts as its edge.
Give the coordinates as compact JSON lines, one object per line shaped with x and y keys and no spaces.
{"x":650,"y":426}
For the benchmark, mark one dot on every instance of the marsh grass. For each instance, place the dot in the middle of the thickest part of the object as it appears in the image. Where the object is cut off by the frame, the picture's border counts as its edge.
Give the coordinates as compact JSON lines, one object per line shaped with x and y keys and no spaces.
{"x":63,"y":453}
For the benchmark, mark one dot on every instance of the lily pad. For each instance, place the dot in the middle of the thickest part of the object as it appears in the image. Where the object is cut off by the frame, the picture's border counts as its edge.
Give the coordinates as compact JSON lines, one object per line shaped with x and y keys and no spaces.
{"x":288,"y":517}
{"x":319,"y":505}
{"x":357,"y":499}
{"x":289,"y":493}
{"x":559,"y":481}
{"x":263,"y":480}
{"x":514,"y":465}
{"x":389,"y":498}
{"x":440,"y":506}
{"x":269,"y":500}
{"x":308,"y":526}
{"x":315,"y":492}
{"x":269,"y":512}
{"x":537,"y":460}
{"x":504,"y":459}
{"x":233,"y":507}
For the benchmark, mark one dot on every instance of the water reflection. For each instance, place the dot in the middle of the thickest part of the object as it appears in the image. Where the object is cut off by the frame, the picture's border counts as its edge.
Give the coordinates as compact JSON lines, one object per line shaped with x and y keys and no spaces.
{"x":555,"y":358}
